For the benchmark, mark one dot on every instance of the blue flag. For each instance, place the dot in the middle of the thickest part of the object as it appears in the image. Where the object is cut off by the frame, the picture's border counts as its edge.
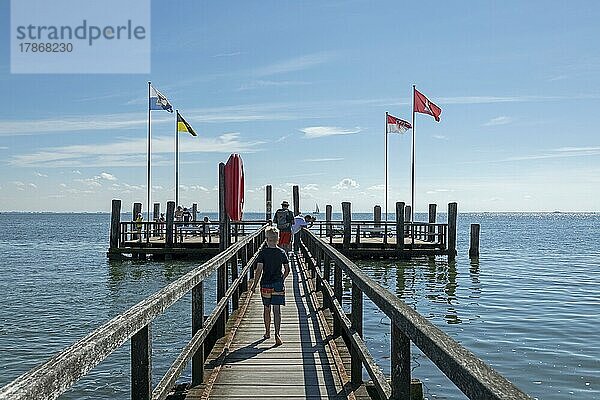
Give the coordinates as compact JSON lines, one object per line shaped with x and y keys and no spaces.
{"x":158,"y":101}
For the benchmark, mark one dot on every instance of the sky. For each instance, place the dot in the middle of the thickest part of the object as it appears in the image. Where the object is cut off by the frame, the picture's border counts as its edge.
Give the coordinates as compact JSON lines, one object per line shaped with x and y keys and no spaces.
{"x":300,"y":90}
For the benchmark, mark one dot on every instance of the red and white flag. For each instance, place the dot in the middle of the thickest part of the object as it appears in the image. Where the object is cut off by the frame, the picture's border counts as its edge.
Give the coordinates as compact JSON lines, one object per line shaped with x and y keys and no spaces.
{"x":397,"y":125}
{"x":423,"y":105}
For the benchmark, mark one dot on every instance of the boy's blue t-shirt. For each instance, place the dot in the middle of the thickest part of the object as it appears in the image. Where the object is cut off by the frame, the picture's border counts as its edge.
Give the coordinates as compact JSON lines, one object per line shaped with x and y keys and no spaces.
{"x":272,"y":259}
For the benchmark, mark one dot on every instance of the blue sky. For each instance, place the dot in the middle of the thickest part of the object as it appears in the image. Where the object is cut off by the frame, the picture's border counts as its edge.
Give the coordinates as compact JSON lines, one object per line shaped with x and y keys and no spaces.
{"x":300,"y":89}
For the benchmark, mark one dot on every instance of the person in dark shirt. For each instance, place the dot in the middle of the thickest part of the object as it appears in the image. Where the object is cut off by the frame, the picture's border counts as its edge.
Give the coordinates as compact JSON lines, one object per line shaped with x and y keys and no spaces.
{"x":269,"y":265}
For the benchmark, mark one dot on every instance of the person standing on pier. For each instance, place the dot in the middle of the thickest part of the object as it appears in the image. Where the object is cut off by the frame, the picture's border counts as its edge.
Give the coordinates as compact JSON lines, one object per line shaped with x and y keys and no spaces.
{"x":271,"y":259}
{"x":138,"y":226}
{"x":284,"y":218}
{"x":299,"y":223}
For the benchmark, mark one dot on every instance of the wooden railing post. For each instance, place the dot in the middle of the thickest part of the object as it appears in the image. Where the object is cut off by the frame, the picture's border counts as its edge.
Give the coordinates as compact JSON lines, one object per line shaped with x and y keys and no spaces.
{"x":347,"y":219}
{"x":474,"y":247}
{"x":357,"y":326}
{"x":268,"y":202}
{"x":296,"y":199}
{"x":452,"y":215}
{"x":221,"y":289}
{"x":400,"y":361}
{"x":243,"y":257}
{"x":115,"y":224}
{"x":400,"y":226}
{"x":235,"y":297}
{"x":328,"y":227}
{"x":319,"y":260}
{"x":197,"y":324}
{"x":141,"y":364}
{"x":337,"y":290}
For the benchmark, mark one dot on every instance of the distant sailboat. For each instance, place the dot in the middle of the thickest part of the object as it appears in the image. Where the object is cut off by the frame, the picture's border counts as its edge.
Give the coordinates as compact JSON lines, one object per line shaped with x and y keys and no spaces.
{"x":316,"y":209}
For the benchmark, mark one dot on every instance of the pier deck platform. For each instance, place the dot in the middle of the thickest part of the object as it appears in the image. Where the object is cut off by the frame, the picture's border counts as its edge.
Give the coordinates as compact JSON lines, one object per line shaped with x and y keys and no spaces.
{"x":308,"y":365}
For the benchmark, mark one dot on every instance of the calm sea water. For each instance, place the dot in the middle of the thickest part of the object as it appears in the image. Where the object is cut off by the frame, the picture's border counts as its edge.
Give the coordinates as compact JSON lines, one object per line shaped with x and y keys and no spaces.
{"x":529,"y":307}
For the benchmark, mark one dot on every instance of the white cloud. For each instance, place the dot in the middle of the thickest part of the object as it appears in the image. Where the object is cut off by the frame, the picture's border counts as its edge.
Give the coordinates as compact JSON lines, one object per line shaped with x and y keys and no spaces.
{"x":77,"y":172}
{"x":312,"y":132}
{"x":33,"y":185}
{"x":129,"y":152}
{"x":257,"y":84}
{"x":440,"y":137}
{"x":63,"y":185}
{"x":295,"y":64}
{"x":3,"y":148}
{"x":346,"y":183}
{"x":107,"y":176}
{"x":232,"y":54}
{"x":322,"y":159}
{"x":310,"y":187}
{"x":41,"y":175}
{"x":503,"y":120}
{"x":376,"y":188}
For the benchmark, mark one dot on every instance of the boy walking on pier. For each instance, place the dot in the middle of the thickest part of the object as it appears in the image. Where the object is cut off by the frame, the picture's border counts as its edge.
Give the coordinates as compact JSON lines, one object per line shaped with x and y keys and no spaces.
{"x":269,"y":265}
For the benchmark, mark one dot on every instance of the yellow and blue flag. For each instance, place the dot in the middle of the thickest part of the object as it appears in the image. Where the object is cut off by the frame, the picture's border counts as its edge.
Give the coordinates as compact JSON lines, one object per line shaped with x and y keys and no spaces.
{"x":184,"y":126}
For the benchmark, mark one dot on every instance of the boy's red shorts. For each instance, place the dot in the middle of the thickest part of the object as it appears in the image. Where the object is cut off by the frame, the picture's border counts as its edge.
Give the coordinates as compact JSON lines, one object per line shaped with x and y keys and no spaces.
{"x":284,"y":238}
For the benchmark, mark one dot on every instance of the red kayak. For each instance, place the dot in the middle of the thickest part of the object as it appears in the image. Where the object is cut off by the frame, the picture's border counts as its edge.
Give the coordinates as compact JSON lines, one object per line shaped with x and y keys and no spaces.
{"x":234,"y":187}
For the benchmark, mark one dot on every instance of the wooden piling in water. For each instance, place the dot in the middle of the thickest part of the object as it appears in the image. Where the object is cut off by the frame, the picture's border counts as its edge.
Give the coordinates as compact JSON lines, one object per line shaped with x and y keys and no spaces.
{"x":347,"y":219}
{"x":224,"y":226}
{"x":474,"y":246}
{"x":115,"y":223}
{"x":400,"y":226}
{"x":296,"y":199}
{"x":137,"y":208}
{"x":194,"y":212}
{"x":432,"y":218}
{"x":452,"y":215}
{"x":170,"y":219}
{"x":328,"y":227}
{"x":377,"y":216}
{"x":408,"y":214}
{"x":268,"y":202}
{"x":197,"y":324}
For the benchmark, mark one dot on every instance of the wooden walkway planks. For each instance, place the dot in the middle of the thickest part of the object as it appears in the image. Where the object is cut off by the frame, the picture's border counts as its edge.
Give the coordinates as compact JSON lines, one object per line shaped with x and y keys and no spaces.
{"x":304,"y":367}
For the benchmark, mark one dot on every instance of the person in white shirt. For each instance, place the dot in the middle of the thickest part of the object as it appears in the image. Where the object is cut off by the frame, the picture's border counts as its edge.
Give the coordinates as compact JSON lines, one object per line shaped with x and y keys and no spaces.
{"x":299,"y":223}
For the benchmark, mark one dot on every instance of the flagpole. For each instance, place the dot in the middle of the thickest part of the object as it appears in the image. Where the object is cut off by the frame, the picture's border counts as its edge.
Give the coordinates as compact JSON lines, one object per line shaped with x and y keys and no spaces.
{"x":386,"y":177}
{"x":149,"y":153}
{"x":412,"y":201}
{"x":176,"y":161}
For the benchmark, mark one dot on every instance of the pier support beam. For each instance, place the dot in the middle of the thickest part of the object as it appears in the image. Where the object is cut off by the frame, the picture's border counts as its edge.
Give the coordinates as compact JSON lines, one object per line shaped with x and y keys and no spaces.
{"x":400,"y":226}
{"x":377,"y":216}
{"x":432,"y":217}
{"x":474,"y":247}
{"x":170,"y":217}
{"x":296,"y":199}
{"x":115,"y":224}
{"x":452,"y":215}
{"x":268,"y":202}
{"x":224,"y":224}
{"x":197,"y":324}
{"x":347,"y":218}
{"x":141,"y":364}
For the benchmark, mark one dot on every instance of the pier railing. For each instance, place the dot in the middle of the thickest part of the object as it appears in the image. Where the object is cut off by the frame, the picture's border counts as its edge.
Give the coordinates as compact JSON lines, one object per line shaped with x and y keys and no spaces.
{"x":54,"y":377}
{"x":433,"y":233}
{"x":147,"y":232}
{"x":470,"y":374}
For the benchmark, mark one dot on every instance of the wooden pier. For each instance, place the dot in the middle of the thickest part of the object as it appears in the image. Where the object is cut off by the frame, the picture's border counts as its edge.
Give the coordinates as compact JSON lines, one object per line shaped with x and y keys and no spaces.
{"x":323,"y":355}
{"x":402,"y":238}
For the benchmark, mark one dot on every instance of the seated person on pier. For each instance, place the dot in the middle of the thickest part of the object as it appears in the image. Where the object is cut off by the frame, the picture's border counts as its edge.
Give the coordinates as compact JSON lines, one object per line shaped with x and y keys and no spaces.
{"x":269,"y":265}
